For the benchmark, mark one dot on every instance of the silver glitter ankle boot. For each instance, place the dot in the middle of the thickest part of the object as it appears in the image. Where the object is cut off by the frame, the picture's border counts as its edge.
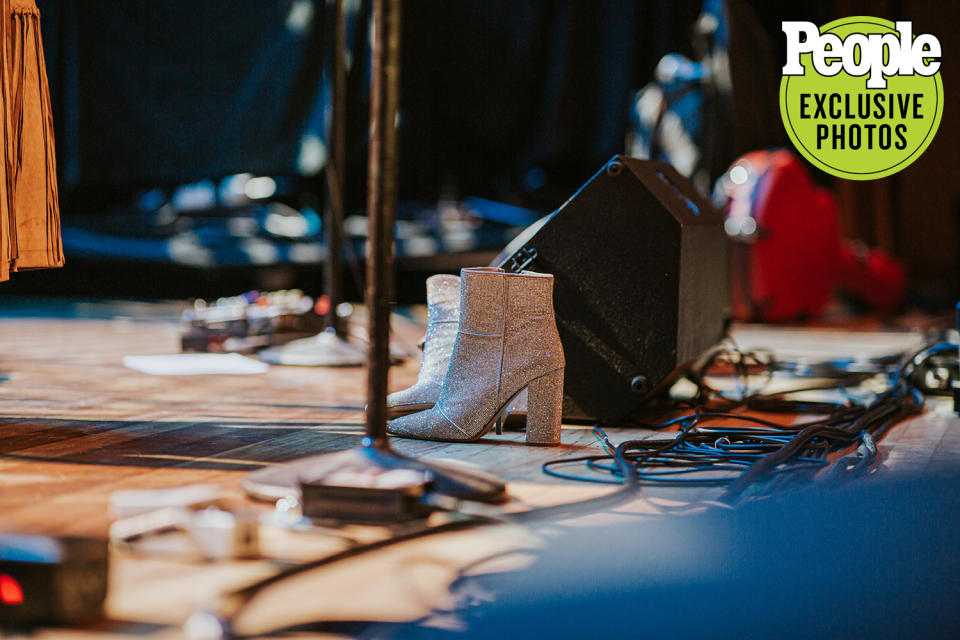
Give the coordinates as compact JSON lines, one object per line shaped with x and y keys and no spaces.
{"x":443,"y":314}
{"x":506,"y":342}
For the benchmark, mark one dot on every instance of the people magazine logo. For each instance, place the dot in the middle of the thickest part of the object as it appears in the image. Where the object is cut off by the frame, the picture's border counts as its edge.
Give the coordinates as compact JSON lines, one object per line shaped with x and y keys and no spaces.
{"x":861,"y":97}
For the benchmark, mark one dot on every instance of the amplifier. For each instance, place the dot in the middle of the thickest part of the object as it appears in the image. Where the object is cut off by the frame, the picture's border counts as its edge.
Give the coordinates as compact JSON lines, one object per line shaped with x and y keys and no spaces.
{"x":639,"y":261}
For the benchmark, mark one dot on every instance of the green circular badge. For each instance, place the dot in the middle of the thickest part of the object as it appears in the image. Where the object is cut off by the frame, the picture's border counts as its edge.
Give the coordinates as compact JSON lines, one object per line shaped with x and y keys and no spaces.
{"x":843,"y":126}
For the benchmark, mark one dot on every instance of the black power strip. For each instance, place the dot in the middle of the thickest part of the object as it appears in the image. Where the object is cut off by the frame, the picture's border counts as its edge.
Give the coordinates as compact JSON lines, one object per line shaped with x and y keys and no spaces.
{"x":48,"y":581}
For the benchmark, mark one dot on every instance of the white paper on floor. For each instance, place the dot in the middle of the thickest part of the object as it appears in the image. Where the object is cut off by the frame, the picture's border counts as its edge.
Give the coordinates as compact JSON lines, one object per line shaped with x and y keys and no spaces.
{"x":195,"y":364}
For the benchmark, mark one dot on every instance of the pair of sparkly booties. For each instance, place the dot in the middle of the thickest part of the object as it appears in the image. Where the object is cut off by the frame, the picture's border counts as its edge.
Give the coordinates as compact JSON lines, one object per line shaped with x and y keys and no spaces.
{"x":490,"y":336}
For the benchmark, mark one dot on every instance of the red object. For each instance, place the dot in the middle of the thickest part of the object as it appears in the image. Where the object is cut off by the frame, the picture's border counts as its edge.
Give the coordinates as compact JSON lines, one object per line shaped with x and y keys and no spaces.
{"x":10,"y":591}
{"x":322,"y":306}
{"x":872,"y":276}
{"x":789,"y":256}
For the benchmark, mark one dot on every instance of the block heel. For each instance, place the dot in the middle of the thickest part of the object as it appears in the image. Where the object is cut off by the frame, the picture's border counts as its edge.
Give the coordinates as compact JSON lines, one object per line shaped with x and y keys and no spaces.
{"x":545,"y":409}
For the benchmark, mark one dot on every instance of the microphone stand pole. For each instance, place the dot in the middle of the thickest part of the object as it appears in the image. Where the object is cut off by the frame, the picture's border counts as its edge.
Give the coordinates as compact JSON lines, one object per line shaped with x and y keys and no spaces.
{"x":332,"y":347}
{"x":374,"y":455}
{"x":336,"y":176}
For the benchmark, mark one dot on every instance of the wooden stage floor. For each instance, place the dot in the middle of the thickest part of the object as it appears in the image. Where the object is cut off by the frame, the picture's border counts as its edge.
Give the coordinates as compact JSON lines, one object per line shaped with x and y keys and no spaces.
{"x":77,"y":425}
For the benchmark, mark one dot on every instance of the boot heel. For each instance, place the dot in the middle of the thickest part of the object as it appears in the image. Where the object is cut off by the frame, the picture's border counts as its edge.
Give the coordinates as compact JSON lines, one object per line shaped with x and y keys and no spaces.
{"x":545,"y":409}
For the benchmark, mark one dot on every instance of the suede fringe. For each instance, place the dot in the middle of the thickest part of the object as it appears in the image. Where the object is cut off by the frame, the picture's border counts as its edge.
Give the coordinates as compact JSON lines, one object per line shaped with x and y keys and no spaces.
{"x":30,"y":219}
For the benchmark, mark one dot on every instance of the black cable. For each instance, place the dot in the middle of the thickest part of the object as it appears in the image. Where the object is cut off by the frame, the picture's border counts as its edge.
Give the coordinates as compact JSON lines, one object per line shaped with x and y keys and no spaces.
{"x":631,"y":486}
{"x":240,"y":599}
{"x":765,"y":450}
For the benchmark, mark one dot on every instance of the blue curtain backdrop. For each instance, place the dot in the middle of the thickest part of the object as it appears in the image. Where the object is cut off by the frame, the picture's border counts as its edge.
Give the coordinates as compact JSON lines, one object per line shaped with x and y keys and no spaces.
{"x":157,"y":92}
{"x":499,"y":98}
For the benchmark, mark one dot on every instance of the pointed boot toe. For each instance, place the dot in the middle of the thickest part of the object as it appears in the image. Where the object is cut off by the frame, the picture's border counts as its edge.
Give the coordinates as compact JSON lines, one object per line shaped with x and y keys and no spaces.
{"x":420,"y":397}
{"x":405,"y":426}
{"x":426,"y":425}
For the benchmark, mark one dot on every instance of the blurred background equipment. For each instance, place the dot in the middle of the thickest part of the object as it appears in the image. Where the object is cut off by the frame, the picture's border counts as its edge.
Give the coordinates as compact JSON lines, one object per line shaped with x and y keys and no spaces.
{"x":194,"y":153}
{"x":680,"y":116}
{"x":788,"y":254}
{"x":249,"y":322}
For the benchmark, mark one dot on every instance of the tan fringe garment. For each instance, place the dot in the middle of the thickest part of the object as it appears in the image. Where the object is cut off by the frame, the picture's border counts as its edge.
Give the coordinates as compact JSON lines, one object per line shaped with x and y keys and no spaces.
{"x":29,"y":211}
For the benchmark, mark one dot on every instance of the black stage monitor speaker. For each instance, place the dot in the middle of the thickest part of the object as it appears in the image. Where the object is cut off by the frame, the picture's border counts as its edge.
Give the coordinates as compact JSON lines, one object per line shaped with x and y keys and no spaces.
{"x":639,"y":261}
